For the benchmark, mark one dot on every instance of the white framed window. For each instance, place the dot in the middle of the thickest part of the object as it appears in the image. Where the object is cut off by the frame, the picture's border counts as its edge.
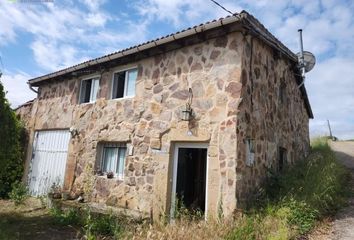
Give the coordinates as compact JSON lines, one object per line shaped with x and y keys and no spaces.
{"x":124,"y":83}
{"x":250,"y":151}
{"x":88,"y":90}
{"x":113,"y":158}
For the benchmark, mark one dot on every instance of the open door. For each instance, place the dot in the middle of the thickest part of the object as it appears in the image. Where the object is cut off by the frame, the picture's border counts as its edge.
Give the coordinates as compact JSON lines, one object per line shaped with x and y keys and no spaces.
{"x":189,"y":177}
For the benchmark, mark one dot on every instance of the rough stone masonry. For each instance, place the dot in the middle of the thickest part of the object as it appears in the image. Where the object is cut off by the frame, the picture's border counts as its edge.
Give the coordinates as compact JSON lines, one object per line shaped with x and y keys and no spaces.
{"x":236,"y":81}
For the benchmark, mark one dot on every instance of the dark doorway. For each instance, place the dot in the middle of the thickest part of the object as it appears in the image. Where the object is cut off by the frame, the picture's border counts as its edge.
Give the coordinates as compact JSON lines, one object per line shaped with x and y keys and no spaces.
{"x":191,"y":178}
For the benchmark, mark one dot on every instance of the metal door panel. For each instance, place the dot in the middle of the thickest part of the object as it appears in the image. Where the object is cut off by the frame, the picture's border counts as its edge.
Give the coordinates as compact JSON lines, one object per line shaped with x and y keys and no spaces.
{"x":48,"y":163}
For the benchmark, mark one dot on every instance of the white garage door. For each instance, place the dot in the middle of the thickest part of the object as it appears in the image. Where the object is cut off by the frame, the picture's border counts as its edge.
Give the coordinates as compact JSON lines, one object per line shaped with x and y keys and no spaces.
{"x":50,"y":150}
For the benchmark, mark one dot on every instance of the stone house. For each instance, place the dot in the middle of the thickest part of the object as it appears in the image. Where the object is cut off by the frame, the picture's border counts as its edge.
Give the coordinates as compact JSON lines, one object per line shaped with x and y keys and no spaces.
{"x":198,"y":115}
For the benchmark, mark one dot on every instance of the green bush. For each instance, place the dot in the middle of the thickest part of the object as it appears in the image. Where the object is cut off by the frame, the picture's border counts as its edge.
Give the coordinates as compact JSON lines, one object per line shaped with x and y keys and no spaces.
{"x":246,"y":230}
{"x":12,"y":138}
{"x":70,"y":216}
{"x":101,"y":224}
{"x":19,"y":193}
{"x":92,"y":224}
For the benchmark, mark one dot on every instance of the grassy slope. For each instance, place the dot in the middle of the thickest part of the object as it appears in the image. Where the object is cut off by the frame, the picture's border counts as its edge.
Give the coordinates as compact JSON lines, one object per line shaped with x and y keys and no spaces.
{"x":293,"y":201}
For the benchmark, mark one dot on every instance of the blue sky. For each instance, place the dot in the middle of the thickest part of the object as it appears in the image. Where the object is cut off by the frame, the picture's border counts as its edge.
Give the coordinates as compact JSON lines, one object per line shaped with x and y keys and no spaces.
{"x":41,"y":37}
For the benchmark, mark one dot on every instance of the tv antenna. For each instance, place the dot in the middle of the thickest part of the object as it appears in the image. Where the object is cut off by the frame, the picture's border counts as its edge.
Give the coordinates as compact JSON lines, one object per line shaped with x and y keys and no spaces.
{"x":306,"y":60}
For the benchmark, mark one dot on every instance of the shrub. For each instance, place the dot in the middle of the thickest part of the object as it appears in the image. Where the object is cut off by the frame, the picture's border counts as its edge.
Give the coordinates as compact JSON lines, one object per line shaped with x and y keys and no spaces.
{"x":246,"y":230}
{"x":19,"y":193}
{"x":100,"y":224}
{"x":12,"y":138}
{"x":92,"y":225}
{"x":70,"y":216}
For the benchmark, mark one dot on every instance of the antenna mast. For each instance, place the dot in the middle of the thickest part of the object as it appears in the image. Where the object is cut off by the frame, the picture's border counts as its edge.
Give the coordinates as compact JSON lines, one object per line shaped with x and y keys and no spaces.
{"x":301,"y":58}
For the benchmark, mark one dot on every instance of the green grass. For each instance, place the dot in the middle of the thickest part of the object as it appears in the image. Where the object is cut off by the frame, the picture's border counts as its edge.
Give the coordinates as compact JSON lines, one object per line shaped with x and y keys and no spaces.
{"x":293,"y":201}
{"x":30,"y":221}
{"x":290,"y":204}
{"x":92,"y":225}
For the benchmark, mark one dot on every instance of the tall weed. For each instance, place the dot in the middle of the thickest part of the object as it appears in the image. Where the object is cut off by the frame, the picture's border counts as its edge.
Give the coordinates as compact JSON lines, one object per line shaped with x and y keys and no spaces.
{"x":297,"y":197}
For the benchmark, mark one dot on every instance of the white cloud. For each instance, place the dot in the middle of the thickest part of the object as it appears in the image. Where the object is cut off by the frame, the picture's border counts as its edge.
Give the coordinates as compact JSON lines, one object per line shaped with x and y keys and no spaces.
{"x":53,"y":56}
{"x":331,"y":88}
{"x":183,"y":12}
{"x":93,"y":5}
{"x":17,"y":88}
{"x":97,"y":19}
{"x":64,"y":34}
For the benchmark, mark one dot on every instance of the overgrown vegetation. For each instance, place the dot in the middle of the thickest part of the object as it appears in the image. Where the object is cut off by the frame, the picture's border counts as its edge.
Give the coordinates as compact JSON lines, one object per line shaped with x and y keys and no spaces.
{"x":92,"y":225}
{"x":294,"y":200}
{"x":12,"y":140}
{"x":289,"y":206}
{"x":19,"y":193}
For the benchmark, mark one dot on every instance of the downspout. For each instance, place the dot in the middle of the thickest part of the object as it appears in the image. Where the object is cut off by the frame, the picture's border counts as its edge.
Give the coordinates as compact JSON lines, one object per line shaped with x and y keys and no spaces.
{"x":252,"y":92}
{"x":250,"y":74}
{"x":32,"y":89}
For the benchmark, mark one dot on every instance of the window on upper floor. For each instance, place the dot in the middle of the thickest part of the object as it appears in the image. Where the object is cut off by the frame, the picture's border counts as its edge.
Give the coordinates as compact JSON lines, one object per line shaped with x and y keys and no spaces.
{"x":88,"y":90}
{"x":124,"y":83}
{"x":113,"y":159}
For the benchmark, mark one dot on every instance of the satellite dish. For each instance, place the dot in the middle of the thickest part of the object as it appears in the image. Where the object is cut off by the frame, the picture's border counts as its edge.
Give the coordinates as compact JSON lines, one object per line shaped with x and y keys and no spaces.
{"x":309,"y":60}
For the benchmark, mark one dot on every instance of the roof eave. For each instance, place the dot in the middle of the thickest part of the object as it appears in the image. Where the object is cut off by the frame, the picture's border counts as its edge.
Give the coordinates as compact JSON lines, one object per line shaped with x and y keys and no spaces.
{"x":135,"y":49}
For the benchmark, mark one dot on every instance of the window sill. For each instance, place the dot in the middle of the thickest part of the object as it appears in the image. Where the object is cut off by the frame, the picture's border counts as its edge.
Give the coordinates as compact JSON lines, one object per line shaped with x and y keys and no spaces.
{"x":123,"y":98}
{"x":113,"y":178}
{"x":86,"y":103}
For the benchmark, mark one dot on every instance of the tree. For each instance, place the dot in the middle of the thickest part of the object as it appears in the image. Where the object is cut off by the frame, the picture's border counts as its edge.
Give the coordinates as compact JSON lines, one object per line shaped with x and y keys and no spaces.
{"x":11,"y":147}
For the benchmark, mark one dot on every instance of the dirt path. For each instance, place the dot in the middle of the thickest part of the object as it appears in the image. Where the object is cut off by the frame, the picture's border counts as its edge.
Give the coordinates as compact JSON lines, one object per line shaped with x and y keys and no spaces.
{"x":343,"y":225}
{"x":31,"y":221}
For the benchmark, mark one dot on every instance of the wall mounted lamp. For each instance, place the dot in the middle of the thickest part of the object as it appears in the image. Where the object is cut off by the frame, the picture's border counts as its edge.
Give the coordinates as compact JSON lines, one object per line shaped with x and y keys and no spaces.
{"x":187,"y":113}
{"x":74,"y":132}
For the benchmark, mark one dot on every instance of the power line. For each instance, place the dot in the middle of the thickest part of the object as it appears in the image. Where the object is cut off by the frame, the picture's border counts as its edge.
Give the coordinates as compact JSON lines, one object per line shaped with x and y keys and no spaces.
{"x":222,"y":7}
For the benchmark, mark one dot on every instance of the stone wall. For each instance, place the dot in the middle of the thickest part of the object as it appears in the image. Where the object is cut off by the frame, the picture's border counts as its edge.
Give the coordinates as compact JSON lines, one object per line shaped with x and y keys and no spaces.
{"x":24,"y":113}
{"x":265,"y":118}
{"x":150,"y":123}
{"x":235,"y":82}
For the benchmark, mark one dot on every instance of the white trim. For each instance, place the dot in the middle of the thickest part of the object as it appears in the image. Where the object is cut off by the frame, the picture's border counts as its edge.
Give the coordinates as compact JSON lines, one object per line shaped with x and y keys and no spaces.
{"x":177,"y":146}
{"x":117,"y":145}
{"x":92,"y":77}
{"x":125,"y":69}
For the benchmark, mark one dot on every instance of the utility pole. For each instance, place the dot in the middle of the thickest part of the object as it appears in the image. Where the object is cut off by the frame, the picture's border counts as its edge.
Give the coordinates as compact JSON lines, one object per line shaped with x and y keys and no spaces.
{"x":330,"y":130}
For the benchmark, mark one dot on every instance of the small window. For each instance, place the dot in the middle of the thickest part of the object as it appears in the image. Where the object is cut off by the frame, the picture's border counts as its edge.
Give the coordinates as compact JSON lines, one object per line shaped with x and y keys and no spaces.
{"x":113,"y":159}
{"x":88,"y":90}
{"x":250,"y":152}
{"x":124,"y":83}
{"x":282,"y":158}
